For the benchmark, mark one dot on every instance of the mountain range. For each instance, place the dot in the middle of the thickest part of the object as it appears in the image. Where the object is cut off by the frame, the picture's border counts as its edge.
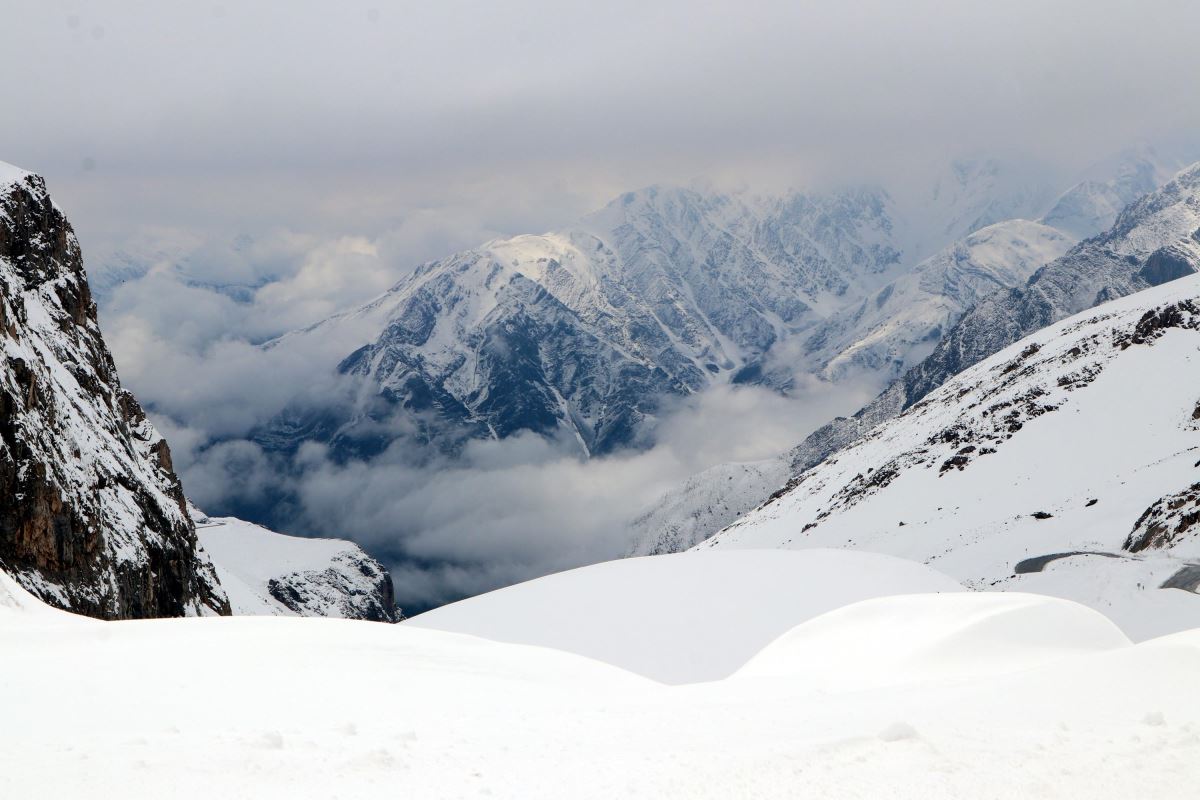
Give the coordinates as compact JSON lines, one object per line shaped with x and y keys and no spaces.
{"x":1152,"y":241}
{"x":582,"y":333}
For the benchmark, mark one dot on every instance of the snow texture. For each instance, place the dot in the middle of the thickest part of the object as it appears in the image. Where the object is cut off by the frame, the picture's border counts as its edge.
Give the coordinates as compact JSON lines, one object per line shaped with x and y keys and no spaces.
{"x":917,"y":696}
{"x":681,"y":618}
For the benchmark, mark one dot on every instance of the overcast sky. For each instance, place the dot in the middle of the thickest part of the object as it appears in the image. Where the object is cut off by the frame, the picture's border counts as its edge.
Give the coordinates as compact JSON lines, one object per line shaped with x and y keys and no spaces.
{"x":316,"y":151}
{"x":356,"y":117}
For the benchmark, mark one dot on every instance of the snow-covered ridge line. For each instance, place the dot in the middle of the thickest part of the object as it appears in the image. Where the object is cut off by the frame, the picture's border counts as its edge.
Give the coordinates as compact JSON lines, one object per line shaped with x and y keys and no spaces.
{"x":272,"y":574}
{"x":664,"y":292}
{"x":1035,"y":468}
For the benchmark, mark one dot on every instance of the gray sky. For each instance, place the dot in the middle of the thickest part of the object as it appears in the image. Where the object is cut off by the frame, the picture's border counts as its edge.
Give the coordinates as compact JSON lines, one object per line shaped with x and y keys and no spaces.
{"x":355,"y":117}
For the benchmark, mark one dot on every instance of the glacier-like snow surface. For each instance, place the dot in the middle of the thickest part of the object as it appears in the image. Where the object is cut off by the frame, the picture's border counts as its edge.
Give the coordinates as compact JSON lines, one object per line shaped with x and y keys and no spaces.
{"x":948,"y":695}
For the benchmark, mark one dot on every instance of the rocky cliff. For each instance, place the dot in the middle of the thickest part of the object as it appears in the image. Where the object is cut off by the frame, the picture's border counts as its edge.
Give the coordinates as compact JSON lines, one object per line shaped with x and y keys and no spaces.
{"x":92,"y":516}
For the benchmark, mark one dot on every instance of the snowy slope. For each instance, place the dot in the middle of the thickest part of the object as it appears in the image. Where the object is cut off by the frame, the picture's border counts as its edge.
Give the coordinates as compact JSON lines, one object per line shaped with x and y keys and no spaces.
{"x":1078,"y":440}
{"x":927,"y":696}
{"x":884,"y":335}
{"x":685,"y":617}
{"x":698,"y":507}
{"x":903,"y":322}
{"x":92,"y":516}
{"x":268,"y":573}
{"x":1092,"y":205}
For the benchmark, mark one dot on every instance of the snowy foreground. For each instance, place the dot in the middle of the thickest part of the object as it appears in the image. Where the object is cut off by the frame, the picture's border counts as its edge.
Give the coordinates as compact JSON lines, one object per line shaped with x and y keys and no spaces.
{"x":922,"y":695}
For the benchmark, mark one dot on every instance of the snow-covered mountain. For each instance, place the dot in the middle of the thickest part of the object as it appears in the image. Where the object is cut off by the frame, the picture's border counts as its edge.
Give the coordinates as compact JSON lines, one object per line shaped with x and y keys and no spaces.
{"x":902,"y":323}
{"x":268,"y":573}
{"x":92,"y":517}
{"x":905,"y":319}
{"x":1092,"y":205}
{"x":662,"y":293}
{"x":1064,"y":464}
{"x":1152,"y":241}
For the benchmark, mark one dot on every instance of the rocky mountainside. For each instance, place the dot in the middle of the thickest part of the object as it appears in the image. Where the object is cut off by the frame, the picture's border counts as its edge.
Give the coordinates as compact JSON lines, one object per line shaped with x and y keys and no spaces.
{"x":270,"y":574}
{"x":662,"y":293}
{"x":92,"y":517}
{"x":900,"y":325}
{"x":1150,"y":242}
{"x":1064,"y":464}
{"x":1153,"y":241}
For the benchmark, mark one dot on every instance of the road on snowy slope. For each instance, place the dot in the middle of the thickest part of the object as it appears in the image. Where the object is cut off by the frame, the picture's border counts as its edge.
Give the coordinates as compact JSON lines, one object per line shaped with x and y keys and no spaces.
{"x":1186,"y":578}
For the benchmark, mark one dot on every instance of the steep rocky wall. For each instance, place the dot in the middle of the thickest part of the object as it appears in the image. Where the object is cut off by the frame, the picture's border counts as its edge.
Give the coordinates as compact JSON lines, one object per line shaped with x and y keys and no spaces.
{"x":92,"y":516}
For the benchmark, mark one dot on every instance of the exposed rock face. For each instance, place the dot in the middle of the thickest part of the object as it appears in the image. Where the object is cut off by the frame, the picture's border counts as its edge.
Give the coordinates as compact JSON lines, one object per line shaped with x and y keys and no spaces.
{"x":354,"y":586}
{"x":269,"y":573}
{"x":1168,"y":521}
{"x":92,"y":517}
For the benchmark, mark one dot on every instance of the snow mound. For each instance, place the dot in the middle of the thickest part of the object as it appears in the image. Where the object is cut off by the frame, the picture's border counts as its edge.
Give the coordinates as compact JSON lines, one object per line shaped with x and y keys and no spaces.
{"x":288,"y":708}
{"x":892,"y":640}
{"x":685,"y":617}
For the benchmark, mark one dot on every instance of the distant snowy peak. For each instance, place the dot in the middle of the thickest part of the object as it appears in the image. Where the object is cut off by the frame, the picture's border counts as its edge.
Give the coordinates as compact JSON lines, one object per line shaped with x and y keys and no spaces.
{"x":581,"y":333}
{"x":903,"y":322}
{"x":1065,"y":462}
{"x":92,"y":515}
{"x":1092,"y":205}
{"x":974,"y":193}
{"x":270,"y":574}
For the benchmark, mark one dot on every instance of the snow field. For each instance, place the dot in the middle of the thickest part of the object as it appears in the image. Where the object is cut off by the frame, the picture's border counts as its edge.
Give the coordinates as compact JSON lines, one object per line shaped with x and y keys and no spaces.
{"x":920,"y":695}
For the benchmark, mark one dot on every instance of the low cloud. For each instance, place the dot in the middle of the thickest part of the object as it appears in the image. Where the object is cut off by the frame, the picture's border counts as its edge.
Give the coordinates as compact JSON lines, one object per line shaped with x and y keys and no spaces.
{"x":509,"y":510}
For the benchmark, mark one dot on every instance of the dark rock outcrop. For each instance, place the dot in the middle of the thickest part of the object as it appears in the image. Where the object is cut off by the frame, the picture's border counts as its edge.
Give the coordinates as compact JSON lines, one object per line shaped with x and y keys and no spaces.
{"x":92,"y":517}
{"x":1167,"y":521}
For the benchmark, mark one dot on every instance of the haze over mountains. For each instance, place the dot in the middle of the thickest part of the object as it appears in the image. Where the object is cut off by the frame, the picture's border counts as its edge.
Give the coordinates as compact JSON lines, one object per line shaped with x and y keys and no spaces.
{"x":593,"y":336}
{"x":1152,"y":241}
